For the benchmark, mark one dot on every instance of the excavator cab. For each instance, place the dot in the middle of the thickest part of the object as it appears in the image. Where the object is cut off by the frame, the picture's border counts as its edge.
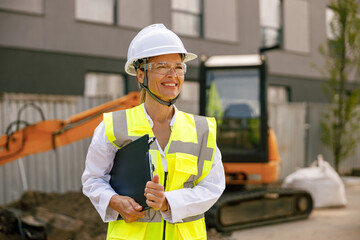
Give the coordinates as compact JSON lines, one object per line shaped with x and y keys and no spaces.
{"x":233,"y":90}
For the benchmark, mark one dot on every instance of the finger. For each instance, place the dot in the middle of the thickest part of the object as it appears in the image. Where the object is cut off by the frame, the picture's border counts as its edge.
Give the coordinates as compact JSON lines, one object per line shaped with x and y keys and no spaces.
{"x":130,"y":219}
{"x":136,"y":210}
{"x":136,"y":214}
{"x":154,"y":194}
{"x":153,"y":197}
{"x":154,"y":205}
{"x":136,"y":206}
{"x":156,"y":178}
{"x":154,"y":186}
{"x":156,"y":190}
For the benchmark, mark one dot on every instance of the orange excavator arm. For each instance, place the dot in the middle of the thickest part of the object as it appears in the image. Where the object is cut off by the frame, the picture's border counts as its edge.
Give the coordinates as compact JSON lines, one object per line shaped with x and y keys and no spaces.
{"x":50,"y":134}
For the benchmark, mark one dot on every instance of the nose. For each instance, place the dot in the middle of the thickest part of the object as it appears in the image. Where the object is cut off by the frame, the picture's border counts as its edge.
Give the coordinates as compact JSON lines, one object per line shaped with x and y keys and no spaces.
{"x":171,"y":71}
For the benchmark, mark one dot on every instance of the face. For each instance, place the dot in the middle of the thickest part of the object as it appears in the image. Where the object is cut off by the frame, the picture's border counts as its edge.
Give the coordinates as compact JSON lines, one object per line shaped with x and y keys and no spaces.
{"x":166,"y":87}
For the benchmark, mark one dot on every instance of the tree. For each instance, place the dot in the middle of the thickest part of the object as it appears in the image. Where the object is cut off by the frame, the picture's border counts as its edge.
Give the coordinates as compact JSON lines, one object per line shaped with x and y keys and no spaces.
{"x":341,"y":124}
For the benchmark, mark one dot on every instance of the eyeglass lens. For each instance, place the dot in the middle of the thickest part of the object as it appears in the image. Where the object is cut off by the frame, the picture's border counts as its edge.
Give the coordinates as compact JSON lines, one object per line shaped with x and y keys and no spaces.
{"x":165,"y":68}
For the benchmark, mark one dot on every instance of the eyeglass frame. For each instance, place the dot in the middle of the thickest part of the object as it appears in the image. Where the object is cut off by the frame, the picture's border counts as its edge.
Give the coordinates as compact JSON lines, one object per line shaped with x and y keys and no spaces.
{"x":149,"y":66}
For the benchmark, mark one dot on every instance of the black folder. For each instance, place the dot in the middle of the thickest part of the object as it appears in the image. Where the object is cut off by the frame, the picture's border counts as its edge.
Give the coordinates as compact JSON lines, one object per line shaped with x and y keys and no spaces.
{"x":132,"y":169}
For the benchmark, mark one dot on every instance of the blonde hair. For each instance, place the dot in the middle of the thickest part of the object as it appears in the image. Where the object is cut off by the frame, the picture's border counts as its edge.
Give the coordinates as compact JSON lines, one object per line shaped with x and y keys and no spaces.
{"x":142,"y":90}
{"x":142,"y":95}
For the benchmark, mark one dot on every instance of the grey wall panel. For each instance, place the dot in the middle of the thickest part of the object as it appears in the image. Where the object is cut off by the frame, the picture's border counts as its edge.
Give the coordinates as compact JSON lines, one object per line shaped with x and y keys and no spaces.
{"x":52,"y":171}
{"x":131,"y":15}
{"x":297,"y":127}
{"x":301,"y":89}
{"x":288,"y":122}
{"x":315,"y":146}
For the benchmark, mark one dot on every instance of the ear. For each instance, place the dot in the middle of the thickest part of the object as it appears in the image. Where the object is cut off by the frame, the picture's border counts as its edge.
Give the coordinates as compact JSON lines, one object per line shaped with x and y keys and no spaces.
{"x":140,"y":75}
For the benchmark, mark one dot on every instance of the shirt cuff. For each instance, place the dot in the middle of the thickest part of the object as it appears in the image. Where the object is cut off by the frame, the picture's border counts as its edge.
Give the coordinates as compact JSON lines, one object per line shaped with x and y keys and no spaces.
{"x":174,"y":215}
{"x":107,"y":214}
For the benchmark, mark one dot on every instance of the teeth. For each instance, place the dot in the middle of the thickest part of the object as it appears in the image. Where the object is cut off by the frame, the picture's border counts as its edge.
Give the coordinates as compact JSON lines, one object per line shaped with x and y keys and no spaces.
{"x":170,"y":84}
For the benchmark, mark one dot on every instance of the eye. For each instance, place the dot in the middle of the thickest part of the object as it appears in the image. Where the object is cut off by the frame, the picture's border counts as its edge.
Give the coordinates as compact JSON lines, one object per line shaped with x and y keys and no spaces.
{"x":160,"y":66}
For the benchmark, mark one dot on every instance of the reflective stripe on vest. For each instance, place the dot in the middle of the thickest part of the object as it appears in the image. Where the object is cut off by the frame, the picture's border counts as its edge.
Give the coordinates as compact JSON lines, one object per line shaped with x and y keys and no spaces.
{"x":189,"y":155}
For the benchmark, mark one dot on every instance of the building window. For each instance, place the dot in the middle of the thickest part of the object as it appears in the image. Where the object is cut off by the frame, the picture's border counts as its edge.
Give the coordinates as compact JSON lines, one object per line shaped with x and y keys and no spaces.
{"x":114,"y":12}
{"x":330,"y":14}
{"x":271,"y":22}
{"x":332,"y":30}
{"x":297,"y":26}
{"x":33,"y":6}
{"x":95,"y":11}
{"x":104,"y":84}
{"x":187,"y":17}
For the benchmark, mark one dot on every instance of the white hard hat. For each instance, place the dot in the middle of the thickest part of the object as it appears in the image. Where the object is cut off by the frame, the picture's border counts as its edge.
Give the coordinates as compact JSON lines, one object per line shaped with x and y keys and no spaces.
{"x":154,"y":40}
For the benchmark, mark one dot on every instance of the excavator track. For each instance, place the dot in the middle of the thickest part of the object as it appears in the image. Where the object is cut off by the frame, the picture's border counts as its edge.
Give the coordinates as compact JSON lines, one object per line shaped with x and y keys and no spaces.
{"x":252,"y":208}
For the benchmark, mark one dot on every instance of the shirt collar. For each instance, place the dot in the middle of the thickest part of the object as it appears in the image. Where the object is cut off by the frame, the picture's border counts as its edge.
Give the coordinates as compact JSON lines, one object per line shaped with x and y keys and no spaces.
{"x":151,"y":121}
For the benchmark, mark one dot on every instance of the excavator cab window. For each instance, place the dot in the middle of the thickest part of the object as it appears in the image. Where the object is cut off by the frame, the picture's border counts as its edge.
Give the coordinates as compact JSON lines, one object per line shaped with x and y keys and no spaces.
{"x":233,"y":99}
{"x":235,"y":96}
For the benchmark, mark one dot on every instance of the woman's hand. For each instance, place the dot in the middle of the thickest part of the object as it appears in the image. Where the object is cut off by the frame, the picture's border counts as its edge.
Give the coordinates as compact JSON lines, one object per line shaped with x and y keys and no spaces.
{"x":128,"y":209}
{"x":154,"y":193}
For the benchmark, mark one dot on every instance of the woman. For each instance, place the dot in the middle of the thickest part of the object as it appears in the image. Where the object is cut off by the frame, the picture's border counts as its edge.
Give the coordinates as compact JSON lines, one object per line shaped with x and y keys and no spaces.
{"x":188,"y":177}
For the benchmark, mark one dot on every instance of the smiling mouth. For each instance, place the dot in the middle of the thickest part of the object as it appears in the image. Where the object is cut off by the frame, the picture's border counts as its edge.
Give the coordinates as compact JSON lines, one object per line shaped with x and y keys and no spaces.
{"x":169,"y":84}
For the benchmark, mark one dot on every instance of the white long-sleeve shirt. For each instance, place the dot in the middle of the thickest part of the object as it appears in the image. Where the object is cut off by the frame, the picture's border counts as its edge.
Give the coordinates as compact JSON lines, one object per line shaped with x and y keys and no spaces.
{"x":183,"y":203}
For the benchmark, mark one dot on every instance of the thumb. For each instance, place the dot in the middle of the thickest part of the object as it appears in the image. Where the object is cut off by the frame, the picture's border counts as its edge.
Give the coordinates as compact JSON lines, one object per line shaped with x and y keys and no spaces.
{"x":156,"y":178}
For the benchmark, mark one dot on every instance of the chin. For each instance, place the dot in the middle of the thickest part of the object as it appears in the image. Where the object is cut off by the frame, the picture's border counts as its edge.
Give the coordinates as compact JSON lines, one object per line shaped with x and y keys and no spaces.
{"x":170,"y":96}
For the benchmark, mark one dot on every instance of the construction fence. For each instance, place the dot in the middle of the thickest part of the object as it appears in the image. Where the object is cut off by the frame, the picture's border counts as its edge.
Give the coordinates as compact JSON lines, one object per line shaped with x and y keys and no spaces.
{"x":296,"y":126}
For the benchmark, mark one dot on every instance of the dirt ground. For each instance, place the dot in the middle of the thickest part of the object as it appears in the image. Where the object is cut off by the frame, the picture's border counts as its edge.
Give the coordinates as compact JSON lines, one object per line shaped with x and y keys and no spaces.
{"x":72,"y":216}
{"x":68,"y":216}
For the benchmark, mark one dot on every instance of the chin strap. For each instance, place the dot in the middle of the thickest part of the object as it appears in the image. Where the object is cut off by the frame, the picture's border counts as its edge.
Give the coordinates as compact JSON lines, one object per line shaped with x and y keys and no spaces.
{"x":145,"y":86}
{"x":158,"y":99}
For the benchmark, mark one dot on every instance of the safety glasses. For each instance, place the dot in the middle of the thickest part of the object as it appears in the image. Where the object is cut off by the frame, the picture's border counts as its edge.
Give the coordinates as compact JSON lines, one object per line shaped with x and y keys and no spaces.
{"x":164,"y":68}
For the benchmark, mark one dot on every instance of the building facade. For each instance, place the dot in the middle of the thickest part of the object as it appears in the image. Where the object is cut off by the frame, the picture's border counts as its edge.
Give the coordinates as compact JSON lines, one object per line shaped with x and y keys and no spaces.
{"x":79,"y":47}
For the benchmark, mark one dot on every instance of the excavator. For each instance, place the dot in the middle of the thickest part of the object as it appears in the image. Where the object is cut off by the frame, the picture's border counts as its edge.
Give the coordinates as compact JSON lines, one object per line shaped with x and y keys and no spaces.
{"x":233,"y":90}
{"x":22,"y":139}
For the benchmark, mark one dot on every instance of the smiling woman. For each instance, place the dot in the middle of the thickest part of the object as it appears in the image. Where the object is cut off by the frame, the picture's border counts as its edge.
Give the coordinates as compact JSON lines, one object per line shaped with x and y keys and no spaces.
{"x":167,"y":76}
{"x":154,"y":41}
{"x":188,"y":175}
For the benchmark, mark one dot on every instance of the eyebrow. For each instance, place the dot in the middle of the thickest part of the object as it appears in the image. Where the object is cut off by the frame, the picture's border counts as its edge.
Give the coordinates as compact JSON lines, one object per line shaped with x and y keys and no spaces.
{"x":168,"y":62}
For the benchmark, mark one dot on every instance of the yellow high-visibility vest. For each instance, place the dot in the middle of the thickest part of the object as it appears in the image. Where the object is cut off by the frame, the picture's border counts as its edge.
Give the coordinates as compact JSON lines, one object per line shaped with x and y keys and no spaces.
{"x":189,"y":154}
